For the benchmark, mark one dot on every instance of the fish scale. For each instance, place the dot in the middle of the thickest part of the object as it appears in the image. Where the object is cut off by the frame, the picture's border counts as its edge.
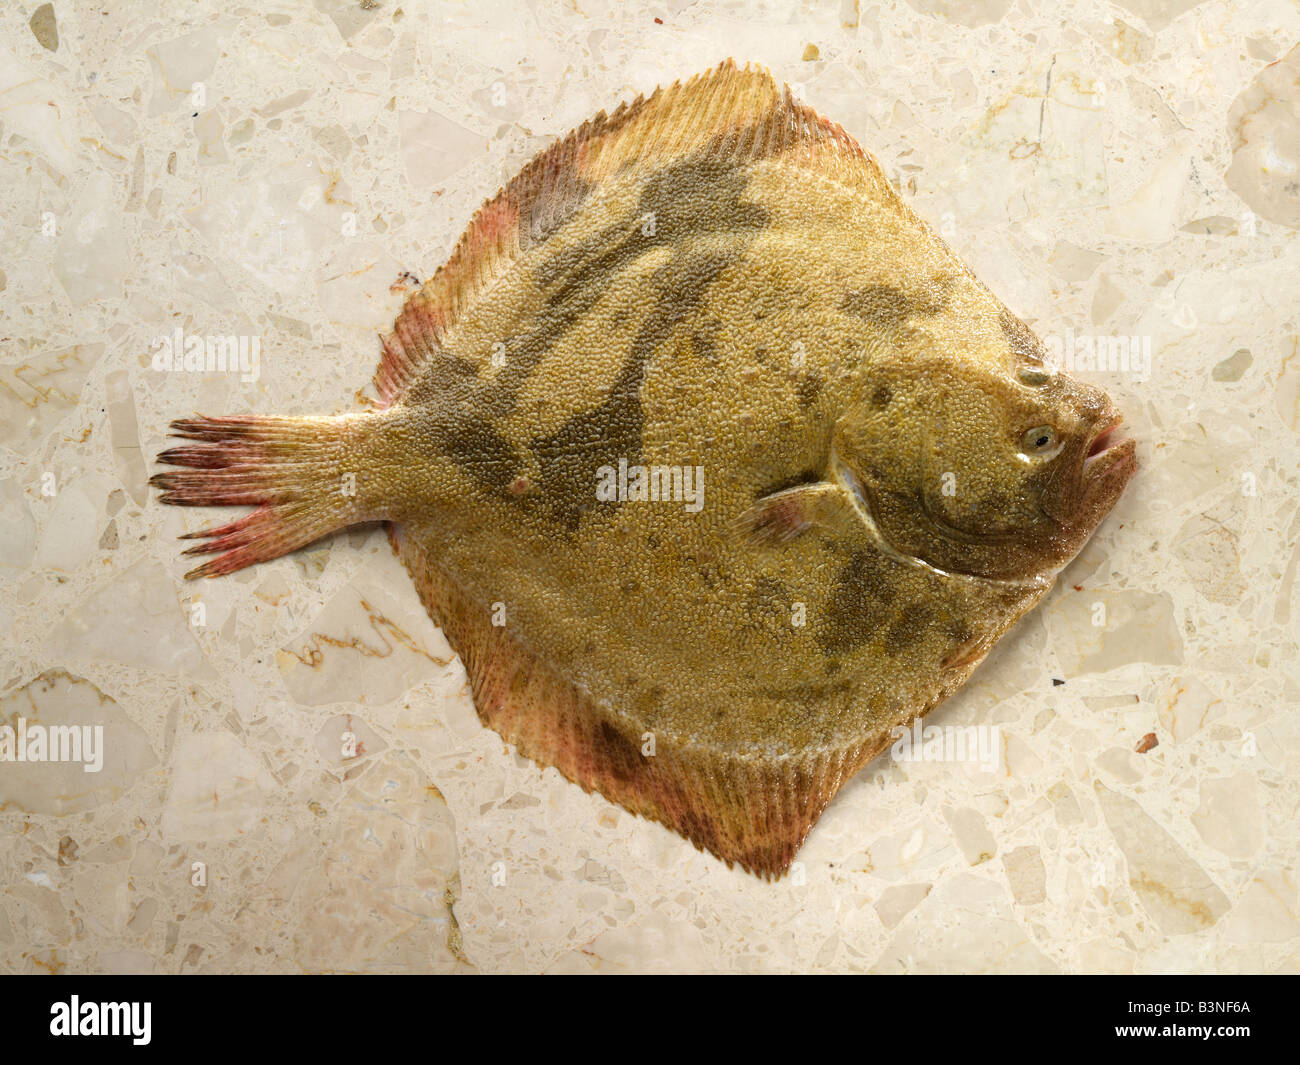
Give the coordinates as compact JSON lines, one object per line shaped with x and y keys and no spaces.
{"x":717,"y":285}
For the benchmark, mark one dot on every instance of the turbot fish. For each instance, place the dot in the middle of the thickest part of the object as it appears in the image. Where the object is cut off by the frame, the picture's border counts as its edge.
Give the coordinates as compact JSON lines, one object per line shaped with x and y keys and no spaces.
{"x":713,"y":462}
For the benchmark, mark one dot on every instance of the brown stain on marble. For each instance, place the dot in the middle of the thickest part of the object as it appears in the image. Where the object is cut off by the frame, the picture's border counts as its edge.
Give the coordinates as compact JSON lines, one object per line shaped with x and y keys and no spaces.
{"x":1198,"y":911}
{"x":314,"y":655}
{"x":54,"y":966}
{"x":44,"y":393}
{"x":455,"y":940}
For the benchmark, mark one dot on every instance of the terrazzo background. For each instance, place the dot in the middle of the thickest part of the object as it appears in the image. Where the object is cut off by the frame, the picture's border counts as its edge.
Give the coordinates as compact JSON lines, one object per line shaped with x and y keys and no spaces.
{"x":270,"y":170}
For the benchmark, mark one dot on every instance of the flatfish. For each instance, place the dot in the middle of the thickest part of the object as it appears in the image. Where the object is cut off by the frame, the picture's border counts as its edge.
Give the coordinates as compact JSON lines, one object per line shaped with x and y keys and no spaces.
{"x":711,"y":459}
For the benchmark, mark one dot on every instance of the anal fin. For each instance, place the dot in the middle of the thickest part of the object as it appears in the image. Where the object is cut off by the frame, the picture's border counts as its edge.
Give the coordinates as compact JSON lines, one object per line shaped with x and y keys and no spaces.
{"x":752,"y":812}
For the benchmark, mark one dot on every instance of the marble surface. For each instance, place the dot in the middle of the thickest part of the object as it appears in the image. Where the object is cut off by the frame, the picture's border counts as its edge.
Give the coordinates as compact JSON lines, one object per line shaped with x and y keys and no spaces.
{"x":1109,"y":169}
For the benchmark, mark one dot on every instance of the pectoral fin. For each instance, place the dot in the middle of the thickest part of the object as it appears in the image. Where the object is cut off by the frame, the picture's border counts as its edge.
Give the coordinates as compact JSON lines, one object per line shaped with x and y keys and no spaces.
{"x":971,"y":651}
{"x":786,"y":515}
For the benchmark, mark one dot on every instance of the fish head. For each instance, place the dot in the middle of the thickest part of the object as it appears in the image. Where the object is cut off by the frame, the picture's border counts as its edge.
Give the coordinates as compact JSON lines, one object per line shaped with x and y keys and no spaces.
{"x":998,"y":469}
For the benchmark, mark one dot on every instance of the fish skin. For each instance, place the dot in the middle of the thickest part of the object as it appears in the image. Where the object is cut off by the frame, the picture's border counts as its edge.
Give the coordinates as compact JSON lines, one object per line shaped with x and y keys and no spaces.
{"x":713,"y":278}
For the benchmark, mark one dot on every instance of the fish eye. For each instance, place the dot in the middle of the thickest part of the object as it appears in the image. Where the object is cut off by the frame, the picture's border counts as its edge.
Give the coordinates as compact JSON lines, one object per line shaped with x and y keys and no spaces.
{"x":1039,"y":441}
{"x":1033,"y":376}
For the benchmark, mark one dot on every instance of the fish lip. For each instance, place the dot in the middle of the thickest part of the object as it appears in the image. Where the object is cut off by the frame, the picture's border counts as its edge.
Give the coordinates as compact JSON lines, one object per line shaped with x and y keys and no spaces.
{"x":1092,"y":481}
{"x":1106,"y":471}
{"x":1102,"y":428}
{"x":1105,"y":447}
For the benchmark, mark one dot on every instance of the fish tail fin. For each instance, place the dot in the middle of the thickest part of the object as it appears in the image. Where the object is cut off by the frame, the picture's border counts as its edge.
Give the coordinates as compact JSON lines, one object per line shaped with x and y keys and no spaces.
{"x":302,"y":474}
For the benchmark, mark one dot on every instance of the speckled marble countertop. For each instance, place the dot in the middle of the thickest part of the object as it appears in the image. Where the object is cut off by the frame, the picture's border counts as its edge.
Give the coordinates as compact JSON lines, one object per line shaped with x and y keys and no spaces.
{"x":1112,"y":170}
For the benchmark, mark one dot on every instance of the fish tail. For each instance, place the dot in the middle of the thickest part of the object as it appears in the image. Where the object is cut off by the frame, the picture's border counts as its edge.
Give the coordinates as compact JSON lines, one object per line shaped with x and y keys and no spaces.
{"x":304,"y":476}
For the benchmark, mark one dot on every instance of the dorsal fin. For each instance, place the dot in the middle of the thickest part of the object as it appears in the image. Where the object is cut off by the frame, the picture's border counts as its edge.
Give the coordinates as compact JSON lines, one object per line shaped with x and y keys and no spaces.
{"x":729,"y":114}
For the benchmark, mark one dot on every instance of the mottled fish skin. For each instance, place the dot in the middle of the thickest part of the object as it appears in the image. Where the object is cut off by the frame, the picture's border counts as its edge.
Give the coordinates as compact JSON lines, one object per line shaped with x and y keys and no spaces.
{"x":761,"y":313}
{"x":722,"y":280}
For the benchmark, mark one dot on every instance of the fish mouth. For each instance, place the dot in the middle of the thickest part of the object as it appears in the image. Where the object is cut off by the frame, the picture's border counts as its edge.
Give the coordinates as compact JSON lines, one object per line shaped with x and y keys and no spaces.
{"x":1107,"y":447}
{"x":1109,"y":460}
{"x":1089,"y":483}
